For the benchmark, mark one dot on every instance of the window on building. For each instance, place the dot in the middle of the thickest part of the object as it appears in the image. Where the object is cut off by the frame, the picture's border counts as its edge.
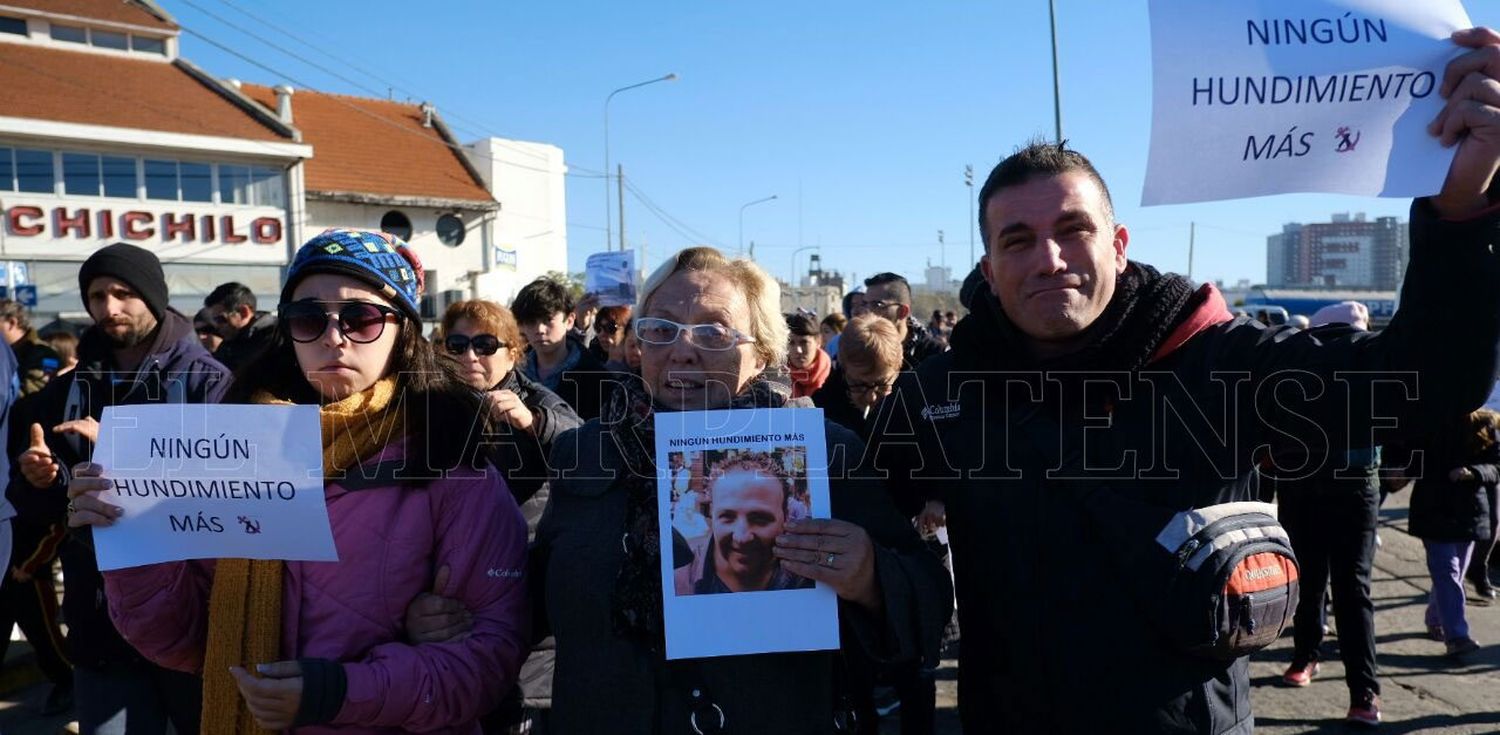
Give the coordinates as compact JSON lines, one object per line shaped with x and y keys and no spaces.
{"x":197,"y":182}
{"x":266,"y":188}
{"x":234,"y":184}
{"x":450,"y":229}
{"x":110,"y":39}
{"x":149,"y":45}
{"x":71,"y":34}
{"x":119,"y":176}
{"x":34,"y":171}
{"x":7,"y":171}
{"x":161,"y":179}
{"x":80,"y":174}
{"x":396,"y":223}
{"x":16,"y":26}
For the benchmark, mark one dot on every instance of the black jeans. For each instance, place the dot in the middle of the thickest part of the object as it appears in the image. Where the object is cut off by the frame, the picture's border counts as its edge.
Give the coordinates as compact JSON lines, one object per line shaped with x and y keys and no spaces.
{"x":1332,"y":526}
{"x":136,"y":698}
{"x":33,"y":606}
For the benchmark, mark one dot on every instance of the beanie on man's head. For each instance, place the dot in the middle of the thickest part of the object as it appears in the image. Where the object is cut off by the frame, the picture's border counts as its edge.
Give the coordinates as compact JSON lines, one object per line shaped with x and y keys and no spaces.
{"x":379,"y":259}
{"x":135,"y":266}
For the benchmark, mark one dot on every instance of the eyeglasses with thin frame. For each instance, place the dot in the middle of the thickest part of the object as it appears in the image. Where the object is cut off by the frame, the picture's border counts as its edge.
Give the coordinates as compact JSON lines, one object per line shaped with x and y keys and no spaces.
{"x":881,"y":305}
{"x":360,"y":322}
{"x":483,"y":345}
{"x":658,"y":332}
{"x":859,"y":389}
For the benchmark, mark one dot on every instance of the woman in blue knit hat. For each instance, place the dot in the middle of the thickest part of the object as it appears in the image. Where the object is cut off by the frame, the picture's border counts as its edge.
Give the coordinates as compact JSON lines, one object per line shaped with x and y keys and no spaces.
{"x":414,"y":508}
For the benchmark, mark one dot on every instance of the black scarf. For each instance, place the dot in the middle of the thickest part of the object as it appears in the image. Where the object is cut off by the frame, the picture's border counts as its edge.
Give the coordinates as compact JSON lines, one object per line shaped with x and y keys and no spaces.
{"x":636,"y":603}
{"x":1146,"y":307}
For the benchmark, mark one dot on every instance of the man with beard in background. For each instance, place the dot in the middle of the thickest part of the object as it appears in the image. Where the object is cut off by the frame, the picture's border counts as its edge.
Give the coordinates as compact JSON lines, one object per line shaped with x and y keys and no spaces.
{"x":138,"y":351}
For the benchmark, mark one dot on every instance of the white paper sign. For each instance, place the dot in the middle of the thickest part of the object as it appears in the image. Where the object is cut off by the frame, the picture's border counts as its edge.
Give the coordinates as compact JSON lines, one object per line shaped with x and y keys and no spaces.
{"x":728,"y":482}
{"x":611,"y":275}
{"x":212,"y":481}
{"x":1253,"y":97}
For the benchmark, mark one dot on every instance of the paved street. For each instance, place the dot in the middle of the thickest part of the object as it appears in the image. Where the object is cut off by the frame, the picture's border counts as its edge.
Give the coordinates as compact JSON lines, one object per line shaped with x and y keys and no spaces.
{"x":1423,"y":691}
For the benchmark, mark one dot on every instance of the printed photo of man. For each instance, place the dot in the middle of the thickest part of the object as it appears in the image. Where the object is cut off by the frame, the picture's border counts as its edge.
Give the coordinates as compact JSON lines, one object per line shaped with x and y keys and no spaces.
{"x":747,"y":509}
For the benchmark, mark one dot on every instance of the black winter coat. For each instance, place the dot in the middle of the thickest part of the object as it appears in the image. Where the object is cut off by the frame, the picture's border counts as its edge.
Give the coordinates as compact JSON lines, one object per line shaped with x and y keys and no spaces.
{"x":249,"y":342}
{"x":1053,"y":639}
{"x":1444,"y":510}
{"x":177,"y":370}
{"x":609,"y":685}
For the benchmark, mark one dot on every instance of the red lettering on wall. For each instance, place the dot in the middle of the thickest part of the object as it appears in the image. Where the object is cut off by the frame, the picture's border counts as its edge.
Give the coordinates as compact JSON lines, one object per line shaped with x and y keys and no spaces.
{"x":266,"y":230}
{"x":228,"y":226}
{"x":207,"y":230}
{"x":184,"y":225}
{"x":106,"y":224}
{"x":128,"y":229}
{"x":13,"y":219}
{"x":62,"y":223}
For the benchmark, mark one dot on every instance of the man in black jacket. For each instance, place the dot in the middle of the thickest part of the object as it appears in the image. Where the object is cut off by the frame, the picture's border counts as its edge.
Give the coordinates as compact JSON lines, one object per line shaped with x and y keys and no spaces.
{"x":138,"y":351}
{"x":231,"y":308}
{"x":888,"y":295}
{"x":1080,"y":370}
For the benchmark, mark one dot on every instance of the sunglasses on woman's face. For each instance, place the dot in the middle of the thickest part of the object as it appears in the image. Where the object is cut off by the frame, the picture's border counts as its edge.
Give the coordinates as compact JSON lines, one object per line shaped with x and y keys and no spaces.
{"x":360,"y":322}
{"x":484,"y":344}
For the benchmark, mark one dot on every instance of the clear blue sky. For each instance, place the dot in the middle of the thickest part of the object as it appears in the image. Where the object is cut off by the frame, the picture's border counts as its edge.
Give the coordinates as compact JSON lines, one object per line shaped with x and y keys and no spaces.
{"x":869,"y":110}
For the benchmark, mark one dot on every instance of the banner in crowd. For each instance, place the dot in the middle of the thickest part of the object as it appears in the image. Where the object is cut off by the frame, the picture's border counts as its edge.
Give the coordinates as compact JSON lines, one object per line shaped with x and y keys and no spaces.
{"x":611,"y":276}
{"x":728,"y":482}
{"x":1252,"y":98}
{"x":212,"y":481}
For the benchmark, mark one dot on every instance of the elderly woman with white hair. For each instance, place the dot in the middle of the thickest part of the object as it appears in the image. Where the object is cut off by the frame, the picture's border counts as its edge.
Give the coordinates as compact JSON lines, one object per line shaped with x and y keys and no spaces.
{"x":709,"y":328}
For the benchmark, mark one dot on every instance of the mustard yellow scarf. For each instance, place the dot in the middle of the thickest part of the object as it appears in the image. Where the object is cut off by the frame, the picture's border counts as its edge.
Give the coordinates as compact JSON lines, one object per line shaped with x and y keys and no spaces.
{"x":244,"y":608}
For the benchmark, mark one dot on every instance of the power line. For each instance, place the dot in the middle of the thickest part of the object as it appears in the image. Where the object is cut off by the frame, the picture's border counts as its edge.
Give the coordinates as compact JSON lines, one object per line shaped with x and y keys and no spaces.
{"x":682,"y":228}
{"x":376,"y":93}
{"x":337,"y":98}
{"x":481,"y":128}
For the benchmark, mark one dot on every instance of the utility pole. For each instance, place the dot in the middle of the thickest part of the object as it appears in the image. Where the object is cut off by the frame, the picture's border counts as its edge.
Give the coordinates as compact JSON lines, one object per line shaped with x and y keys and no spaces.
{"x":1056,"y":79}
{"x":620,"y":170}
{"x":943,"y":251}
{"x":969,"y":182}
{"x":1192,"y":236}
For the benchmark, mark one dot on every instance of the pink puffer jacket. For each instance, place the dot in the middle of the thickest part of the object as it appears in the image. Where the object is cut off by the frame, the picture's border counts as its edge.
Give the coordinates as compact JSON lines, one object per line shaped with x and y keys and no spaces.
{"x":391,"y":539}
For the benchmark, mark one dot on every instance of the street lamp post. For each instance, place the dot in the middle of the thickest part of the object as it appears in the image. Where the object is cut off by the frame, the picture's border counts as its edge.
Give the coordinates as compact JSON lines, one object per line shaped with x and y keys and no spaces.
{"x":742,"y":219}
{"x":607,"y":231}
{"x":1056,"y":76}
{"x":969,"y":182}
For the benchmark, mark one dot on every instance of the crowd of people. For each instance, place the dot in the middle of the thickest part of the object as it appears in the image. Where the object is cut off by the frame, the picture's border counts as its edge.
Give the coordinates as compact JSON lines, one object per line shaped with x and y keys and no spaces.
{"x":492,"y":482}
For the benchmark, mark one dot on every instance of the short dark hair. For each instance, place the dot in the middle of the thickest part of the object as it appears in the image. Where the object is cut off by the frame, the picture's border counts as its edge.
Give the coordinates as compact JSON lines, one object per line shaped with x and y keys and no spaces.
{"x":903,"y":292}
{"x":802,"y":325}
{"x":539,"y":300}
{"x":849,"y":300}
{"x":231,"y":296}
{"x":15,"y":310}
{"x":65,"y":344}
{"x":1038,"y":158}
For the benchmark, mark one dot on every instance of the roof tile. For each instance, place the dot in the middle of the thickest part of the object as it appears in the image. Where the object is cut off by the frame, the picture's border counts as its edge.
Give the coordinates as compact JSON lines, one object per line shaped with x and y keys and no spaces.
{"x":101,"y":89}
{"x":374,"y":146}
{"x":117,"y":11}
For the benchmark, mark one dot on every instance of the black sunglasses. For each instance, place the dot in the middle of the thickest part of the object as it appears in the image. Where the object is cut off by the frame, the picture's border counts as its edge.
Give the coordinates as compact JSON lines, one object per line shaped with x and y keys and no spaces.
{"x":360,"y":322}
{"x":484,"y":344}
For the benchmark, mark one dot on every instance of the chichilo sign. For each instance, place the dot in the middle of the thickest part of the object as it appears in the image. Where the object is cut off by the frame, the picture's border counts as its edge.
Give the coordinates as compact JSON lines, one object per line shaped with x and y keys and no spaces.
{"x":1253,"y":98}
{"x":212,"y":481}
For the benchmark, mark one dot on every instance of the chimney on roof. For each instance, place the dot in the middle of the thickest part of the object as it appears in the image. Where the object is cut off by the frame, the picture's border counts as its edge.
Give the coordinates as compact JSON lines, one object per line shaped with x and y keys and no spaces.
{"x":284,"y":103}
{"x":427,"y":112}
{"x":233,"y":82}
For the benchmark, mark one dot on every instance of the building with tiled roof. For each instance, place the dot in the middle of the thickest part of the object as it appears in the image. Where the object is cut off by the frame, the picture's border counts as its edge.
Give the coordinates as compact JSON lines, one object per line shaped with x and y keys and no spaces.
{"x":397,"y":167}
{"x":106,"y":134}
